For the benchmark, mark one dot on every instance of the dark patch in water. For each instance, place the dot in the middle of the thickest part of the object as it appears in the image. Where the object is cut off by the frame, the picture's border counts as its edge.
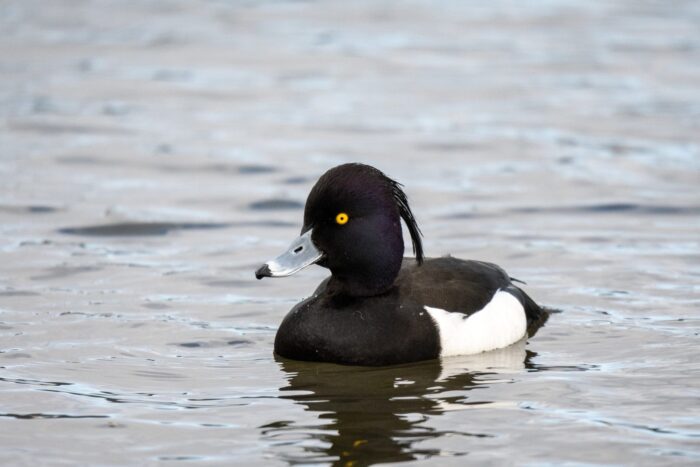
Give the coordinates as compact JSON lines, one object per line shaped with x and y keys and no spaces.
{"x":448,"y":147}
{"x":34,"y":381}
{"x":134,"y":229}
{"x":255,"y":169}
{"x":111,"y":424}
{"x":155,"y":306}
{"x":18,"y":293}
{"x":164,"y":148}
{"x":16,"y":355}
{"x":614,"y":208}
{"x":278,"y":424}
{"x":58,"y":128}
{"x":582,"y":367}
{"x":172,"y":75}
{"x":84,"y":160}
{"x":275,"y":204}
{"x":35,"y":209}
{"x":356,"y":129}
{"x":613,"y":293}
{"x":41,"y":209}
{"x":64,"y":271}
{"x":200,"y":344}
{"x":129,"y":229}
{"x":179,"y":458}
{"x":237,"y":342}
{"x":298,"y":180}
{"x":159,"y":375}
{"x":219,"y":168}
{"x":653,"y":429}
{"x":33,"y":416}
{"x":468,"y":215}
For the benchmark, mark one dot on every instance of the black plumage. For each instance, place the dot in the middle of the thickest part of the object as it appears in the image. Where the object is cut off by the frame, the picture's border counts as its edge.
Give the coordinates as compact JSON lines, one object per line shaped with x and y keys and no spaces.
{"x":371,"y":310}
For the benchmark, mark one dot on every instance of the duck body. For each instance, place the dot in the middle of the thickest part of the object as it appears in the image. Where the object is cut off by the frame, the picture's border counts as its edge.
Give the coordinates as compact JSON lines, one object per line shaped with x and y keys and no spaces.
{"x":378,"y":308}
{"x":424,"y":315}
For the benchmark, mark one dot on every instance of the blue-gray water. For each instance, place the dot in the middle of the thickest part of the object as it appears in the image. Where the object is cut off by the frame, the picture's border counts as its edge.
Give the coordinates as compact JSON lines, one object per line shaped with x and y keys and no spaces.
{"x":153,"y":154}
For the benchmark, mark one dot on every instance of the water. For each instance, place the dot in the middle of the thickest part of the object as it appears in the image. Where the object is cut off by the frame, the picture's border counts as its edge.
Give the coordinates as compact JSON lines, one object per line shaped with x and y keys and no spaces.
{"x":154,"y":154}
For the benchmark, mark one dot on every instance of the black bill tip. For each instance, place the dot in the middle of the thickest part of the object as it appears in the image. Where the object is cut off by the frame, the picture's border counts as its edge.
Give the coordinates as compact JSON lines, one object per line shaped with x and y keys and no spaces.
{"x":263,"y":271}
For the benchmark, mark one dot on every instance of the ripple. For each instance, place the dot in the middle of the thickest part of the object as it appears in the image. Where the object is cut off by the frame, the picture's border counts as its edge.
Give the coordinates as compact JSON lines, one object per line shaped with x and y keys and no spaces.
{"x":127,"y":229}
{"x":614,"y":208}
{"x":135,"y":229}
{"x":275,"y":205}
{"x":34,"y":416}
{"x":31,"y":209}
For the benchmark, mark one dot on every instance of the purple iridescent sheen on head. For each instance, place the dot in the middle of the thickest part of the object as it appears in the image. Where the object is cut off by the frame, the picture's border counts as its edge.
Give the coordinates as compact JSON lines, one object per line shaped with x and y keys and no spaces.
{"x":365,"y":254}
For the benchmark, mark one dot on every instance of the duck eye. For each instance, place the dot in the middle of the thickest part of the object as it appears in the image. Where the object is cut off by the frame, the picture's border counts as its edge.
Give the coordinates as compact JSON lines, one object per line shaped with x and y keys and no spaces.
{"x":342,"y":218}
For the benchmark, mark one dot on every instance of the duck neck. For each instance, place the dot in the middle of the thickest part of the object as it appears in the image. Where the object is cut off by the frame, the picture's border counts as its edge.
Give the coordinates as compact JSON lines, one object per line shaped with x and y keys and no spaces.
{"x":362,"y":286}
{"x":374,"y":276}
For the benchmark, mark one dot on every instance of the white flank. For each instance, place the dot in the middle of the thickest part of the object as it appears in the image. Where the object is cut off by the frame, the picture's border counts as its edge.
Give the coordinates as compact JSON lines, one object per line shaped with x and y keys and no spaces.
{"x":500,"y":323}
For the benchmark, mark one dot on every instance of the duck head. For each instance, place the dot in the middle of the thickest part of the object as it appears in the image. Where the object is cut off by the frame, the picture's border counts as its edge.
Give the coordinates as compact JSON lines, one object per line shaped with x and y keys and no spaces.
{"x":352,"y":226}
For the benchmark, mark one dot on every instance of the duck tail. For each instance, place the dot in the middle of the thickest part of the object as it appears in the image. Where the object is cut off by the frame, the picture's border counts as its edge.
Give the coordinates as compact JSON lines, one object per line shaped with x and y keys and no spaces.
{"x":536,"y":315}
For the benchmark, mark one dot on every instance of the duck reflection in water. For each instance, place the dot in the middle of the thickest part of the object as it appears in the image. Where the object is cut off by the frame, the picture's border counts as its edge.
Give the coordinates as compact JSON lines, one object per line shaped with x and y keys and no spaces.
{"x":374,"y":415}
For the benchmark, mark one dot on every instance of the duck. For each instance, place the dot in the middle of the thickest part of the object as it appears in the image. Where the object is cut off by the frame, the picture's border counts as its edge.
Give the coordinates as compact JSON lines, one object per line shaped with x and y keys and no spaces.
{"x":377,"y":307}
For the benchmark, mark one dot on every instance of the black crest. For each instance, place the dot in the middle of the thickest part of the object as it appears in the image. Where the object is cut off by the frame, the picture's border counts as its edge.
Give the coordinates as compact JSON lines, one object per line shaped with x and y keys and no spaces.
{"x":407,"y":216}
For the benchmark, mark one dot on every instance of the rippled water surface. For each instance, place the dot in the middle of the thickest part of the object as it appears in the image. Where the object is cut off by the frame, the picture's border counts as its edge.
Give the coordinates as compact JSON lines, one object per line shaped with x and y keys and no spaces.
{"x":152,"y":154}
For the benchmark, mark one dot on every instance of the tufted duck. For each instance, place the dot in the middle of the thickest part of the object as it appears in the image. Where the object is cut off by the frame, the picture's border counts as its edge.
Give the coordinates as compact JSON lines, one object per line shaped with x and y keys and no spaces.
{"x":378,"y":308}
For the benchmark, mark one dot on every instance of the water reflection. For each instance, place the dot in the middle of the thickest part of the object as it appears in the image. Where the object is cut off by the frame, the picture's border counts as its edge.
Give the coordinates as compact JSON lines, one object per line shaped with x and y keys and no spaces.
{"x":372,"y":415}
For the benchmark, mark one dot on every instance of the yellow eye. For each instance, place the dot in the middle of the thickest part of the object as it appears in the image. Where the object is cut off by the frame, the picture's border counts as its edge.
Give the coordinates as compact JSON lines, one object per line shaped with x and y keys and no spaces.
{"x":342,"y":218}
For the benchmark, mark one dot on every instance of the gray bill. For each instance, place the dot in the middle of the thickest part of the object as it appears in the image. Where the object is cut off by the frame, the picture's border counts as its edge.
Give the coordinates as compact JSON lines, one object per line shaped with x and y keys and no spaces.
{"x":301,"y":253}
